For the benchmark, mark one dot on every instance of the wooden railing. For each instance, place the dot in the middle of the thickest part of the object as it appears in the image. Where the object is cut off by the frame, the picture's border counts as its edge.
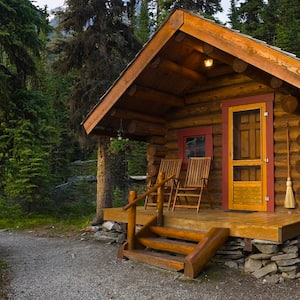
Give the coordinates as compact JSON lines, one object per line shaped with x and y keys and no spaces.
{"x":134,"y":199}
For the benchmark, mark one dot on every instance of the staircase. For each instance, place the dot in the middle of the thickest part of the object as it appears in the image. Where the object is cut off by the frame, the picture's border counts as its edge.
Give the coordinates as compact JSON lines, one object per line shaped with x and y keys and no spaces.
{"x":175,"y":249}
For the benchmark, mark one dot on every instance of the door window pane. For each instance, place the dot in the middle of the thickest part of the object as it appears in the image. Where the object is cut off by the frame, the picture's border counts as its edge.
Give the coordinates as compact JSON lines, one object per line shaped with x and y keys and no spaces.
{"x":246,"y":134}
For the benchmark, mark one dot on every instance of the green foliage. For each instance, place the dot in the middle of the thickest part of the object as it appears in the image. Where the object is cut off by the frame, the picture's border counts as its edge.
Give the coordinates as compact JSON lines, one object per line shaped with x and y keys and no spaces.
{"x":276,"y":21}
{"x":118,"y":199}
{"x":142,"y":30}
{"x":207,"y":8}
{"x":288,"y":33}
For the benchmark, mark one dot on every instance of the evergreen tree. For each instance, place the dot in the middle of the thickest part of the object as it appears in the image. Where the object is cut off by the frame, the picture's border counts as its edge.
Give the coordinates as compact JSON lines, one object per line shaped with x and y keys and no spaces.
{"x":234,"y":18}
{"x":288,"y":26}
{"x":98,"y":45}
{"x":142,"y":30}
{"x":207,"y":8}
{"x":251,"y":17}
{"x":24,"y":131}
{"x":271,"y":19}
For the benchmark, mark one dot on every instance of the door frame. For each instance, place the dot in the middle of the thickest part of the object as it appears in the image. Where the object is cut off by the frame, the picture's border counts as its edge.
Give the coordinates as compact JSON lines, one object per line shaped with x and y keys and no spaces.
{"x":268,"y":100}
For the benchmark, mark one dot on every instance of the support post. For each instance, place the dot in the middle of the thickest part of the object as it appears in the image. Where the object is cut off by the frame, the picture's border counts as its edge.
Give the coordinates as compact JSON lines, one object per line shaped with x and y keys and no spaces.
{"x":131,"y":221}
{"x":160,"y":199}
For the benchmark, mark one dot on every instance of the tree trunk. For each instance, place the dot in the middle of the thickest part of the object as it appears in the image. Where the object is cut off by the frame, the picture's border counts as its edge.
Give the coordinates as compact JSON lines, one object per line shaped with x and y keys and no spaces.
{"x":103,"y":180}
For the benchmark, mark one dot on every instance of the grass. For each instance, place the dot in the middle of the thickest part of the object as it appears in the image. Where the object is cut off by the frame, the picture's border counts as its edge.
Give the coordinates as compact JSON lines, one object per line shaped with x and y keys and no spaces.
{"x":4,"y":279}
{"x":47,"y":226}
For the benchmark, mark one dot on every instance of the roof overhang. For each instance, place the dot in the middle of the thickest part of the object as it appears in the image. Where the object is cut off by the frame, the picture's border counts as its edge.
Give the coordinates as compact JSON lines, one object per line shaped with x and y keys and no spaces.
{"x":169,"y":70}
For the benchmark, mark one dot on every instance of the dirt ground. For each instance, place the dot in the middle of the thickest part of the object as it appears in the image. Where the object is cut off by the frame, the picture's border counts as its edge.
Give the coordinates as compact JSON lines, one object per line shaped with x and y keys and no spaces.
{"x":76,"y":267}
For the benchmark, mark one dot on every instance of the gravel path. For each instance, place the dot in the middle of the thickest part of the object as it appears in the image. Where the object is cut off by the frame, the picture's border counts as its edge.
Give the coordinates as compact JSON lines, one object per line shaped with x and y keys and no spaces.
{"x":68,"y":268}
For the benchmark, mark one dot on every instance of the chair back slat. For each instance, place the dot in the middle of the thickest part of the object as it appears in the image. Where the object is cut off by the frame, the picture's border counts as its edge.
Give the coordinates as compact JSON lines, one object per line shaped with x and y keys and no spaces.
{"x":198,"y":171}
{"x":170,"y":167}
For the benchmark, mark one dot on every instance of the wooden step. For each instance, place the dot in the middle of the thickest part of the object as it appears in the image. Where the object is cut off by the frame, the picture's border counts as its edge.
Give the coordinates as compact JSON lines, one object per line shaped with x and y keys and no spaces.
{"x":168,"y":245}
{"x":161,"y":260}
{"x":187,"y":235}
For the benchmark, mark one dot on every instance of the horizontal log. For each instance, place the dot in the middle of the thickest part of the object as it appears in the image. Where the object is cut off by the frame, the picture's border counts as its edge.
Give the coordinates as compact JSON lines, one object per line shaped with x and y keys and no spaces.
{"x":156,"y":150}
{"x":297,"y":166}
{"x":131,"y":115}
{"x":205,"y":120}
{"x":145,"y":128}
{"x":170,"y":66}
{"x":152,"y":95}
{"x":290,"y":104}
{"x":196,"y":109}
{"x":159,"y":140}
{"x":250,"y":88}
{"x":222,"y":81}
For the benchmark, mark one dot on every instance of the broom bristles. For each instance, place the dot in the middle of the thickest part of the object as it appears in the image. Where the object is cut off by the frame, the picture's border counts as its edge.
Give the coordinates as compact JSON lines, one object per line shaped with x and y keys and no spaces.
{"x":289,"y":201}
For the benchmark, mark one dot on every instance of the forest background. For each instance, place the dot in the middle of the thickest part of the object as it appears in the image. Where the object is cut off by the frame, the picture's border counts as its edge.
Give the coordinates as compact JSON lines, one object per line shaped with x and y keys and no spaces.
{"x":53,"y":71}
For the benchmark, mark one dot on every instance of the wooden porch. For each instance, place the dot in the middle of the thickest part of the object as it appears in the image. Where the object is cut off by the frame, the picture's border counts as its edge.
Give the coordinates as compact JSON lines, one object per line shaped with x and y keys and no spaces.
{"x":280,"y":226}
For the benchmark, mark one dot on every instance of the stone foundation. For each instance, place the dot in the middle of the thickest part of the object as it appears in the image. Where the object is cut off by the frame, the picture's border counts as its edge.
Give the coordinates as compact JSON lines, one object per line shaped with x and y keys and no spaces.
{"x":262,"y":258}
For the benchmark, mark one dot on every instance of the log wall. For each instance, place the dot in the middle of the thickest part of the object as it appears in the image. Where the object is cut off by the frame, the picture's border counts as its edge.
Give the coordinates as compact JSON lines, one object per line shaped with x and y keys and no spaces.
{"x":205,"y":109}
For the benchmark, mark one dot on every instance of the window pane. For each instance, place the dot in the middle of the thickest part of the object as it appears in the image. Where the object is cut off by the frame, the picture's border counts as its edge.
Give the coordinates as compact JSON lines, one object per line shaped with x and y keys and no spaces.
{"x":195,"y":146}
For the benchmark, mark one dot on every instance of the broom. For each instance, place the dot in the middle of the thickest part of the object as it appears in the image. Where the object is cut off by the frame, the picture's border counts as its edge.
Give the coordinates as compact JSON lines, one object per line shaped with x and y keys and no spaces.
{"x":289,"y":201}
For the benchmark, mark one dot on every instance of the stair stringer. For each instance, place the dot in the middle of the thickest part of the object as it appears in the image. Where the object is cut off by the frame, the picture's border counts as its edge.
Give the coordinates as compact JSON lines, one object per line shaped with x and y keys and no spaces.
{"x":145,"y":231}
{"x":204,"y":251}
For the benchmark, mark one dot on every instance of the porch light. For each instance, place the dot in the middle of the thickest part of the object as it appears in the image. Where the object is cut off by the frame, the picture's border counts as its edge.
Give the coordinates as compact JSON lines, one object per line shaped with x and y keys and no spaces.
{"x":208,"y":62}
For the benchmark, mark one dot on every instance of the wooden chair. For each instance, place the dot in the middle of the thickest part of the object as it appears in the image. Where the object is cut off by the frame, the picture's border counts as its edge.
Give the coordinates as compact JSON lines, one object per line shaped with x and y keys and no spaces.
{"x":195,"y":183}
{"x":169,"y":167}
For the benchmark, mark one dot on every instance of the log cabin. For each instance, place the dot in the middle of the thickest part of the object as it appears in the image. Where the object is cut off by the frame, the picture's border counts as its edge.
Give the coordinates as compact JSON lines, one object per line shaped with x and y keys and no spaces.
{"x":199,"y":87}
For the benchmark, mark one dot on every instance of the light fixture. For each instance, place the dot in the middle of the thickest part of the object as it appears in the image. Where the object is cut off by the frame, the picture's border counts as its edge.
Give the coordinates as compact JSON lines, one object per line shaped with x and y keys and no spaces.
{"x":208,"y":62}
{"x":120,"y":131}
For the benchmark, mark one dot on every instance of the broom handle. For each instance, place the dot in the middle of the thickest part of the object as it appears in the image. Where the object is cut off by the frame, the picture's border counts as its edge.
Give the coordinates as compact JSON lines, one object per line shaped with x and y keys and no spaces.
{"x":288,"y":149}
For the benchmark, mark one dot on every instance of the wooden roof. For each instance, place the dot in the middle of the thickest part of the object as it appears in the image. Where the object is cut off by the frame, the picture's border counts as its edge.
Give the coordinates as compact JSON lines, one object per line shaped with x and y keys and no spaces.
{"x":169,"y":71}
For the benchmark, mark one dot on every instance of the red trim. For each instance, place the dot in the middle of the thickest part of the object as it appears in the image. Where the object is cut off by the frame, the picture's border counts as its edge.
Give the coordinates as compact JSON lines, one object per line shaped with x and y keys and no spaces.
{"x":192,"y":132}
{"x":268,"y":99}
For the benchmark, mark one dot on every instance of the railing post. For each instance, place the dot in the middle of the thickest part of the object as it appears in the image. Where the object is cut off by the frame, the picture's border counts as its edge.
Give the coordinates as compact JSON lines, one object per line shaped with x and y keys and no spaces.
{"x":131,"y":222}
{"x":160,"y":200}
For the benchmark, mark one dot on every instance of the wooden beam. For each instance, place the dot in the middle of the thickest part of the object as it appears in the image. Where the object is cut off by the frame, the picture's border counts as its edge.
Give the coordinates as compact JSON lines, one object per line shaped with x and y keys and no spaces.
{"x":145,"y":128}
{"x":151,"y":95}
{"x":239,"y":66}
{"x":253,"y":52}
{"x":132,"y":115}
{"x":237,"y":90}
{"x":170,"y":66}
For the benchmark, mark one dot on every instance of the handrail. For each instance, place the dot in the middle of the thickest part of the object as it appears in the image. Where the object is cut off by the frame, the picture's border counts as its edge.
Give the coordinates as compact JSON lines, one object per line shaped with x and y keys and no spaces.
{"x":150,"y":191}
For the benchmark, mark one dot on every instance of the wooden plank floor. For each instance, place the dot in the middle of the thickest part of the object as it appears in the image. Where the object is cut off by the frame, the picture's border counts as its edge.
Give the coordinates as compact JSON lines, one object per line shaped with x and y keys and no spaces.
{"x":279,"y":226}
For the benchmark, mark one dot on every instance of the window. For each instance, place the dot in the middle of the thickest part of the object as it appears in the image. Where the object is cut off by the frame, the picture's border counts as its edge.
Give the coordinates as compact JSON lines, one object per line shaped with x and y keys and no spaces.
{"x":195,"y":142}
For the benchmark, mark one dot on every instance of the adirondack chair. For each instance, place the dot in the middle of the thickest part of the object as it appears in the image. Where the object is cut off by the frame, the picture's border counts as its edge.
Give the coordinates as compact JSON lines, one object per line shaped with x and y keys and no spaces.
{"x":195,"y":183}
{"x":169,"y":167}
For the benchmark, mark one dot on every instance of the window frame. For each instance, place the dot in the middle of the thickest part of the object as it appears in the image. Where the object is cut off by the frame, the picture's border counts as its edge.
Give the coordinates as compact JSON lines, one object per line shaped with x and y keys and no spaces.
{"x":183,"y":134}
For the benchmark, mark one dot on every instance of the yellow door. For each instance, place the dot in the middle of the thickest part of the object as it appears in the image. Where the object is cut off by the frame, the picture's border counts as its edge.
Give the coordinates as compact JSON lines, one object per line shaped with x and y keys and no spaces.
{"x":247,"y":157}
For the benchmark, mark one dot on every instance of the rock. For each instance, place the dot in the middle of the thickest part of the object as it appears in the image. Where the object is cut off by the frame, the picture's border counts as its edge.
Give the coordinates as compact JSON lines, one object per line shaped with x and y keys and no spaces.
{"x":231,"y":264}
{"x":290,"y":249}
{"x":288,"y":262}
{"x":272,"y":279}
{"x":101,"y":236}
{"x":270,"y":268}
{"x":252,"y":265}
{"x":121,"y":238}
{"x":288,"y":268}
{"x":284,"y":256}
{"x":260,"y":256}
{"x":108,"y":225}
{"x":267,"y":248}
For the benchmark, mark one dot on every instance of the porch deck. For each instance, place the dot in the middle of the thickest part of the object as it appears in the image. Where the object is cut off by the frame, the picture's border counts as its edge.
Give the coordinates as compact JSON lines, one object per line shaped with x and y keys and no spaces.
{"x":280,"y":226}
